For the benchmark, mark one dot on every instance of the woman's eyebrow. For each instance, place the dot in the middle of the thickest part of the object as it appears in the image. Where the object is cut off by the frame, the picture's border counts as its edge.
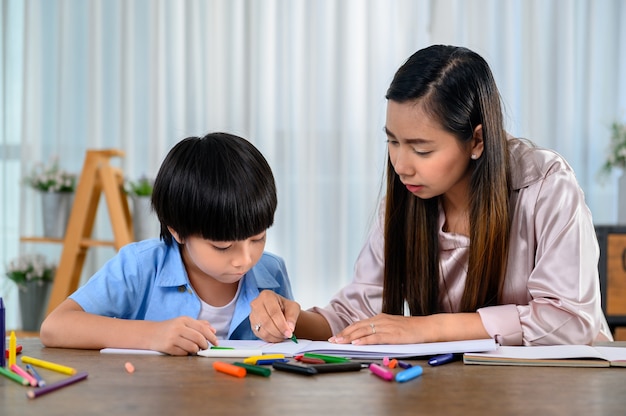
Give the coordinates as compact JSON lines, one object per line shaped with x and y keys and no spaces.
{"x":410,"y":141}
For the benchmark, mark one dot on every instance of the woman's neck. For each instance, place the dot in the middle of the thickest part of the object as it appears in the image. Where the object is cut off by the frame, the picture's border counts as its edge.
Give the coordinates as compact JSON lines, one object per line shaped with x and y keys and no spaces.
{"x":456,"y":209}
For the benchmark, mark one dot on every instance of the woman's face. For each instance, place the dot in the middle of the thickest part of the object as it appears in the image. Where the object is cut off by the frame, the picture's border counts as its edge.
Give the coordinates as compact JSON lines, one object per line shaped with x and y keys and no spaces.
{"x":429,"y":160}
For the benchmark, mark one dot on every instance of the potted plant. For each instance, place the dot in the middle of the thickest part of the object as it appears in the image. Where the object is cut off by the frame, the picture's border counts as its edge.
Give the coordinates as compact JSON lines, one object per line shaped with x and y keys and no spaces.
{"x":56,"y":186}
{"x":617,"y":160}
{"x":33,"y":275}
{"x":617,"y":149}
{"x":144,"y":221}
{"x":141,"y":187}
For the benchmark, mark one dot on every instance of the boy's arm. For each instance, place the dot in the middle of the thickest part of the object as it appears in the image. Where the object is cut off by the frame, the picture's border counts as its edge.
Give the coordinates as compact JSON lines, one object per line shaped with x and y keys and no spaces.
{"x":69,"y":326}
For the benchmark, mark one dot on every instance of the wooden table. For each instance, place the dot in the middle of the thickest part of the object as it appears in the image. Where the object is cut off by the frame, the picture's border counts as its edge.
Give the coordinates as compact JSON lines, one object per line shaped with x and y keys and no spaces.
{"x":164,"y":385}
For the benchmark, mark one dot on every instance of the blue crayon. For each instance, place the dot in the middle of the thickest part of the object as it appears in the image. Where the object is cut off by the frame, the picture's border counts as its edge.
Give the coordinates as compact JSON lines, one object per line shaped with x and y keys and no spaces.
{"x":409,"y":374}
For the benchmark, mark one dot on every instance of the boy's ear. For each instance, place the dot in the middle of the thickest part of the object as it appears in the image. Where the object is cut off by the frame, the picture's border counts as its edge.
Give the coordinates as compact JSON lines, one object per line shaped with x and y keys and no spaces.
{"x":175,"y":235}
{"x":478,"y":144}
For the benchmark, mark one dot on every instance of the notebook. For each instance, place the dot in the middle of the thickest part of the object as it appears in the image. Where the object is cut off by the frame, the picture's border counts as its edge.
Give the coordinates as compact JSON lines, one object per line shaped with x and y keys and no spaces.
{"x":551,"y":356}
{"x":290,"y":348}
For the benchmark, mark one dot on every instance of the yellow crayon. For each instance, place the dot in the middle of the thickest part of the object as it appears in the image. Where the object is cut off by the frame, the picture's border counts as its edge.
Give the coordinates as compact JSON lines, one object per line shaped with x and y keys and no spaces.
{"x":255,"y":358}
{"x":50,"y":366}
{"x":12,"y":349}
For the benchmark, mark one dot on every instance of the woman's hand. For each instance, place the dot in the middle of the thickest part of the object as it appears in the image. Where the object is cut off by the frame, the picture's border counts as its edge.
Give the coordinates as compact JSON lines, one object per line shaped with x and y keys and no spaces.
{"x":384,"y":329}
{"x":394,"y":329}
{"x":273,"y":318}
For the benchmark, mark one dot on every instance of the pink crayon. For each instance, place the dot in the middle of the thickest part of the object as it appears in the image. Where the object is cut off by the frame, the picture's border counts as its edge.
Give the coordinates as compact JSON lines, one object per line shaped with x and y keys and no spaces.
{"x":381,"y":372}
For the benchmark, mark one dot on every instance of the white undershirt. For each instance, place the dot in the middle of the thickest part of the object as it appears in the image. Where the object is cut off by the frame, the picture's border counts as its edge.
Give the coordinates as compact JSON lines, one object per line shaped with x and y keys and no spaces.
{"x":219,"y":317}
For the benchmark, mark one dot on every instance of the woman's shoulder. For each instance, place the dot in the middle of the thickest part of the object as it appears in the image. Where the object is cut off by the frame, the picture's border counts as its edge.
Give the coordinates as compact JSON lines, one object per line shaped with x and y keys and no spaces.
{"x":531,"y":163}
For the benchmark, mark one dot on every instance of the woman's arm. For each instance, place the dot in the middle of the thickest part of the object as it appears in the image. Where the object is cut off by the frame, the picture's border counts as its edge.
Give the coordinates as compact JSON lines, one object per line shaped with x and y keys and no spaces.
{"x":393,"y":329}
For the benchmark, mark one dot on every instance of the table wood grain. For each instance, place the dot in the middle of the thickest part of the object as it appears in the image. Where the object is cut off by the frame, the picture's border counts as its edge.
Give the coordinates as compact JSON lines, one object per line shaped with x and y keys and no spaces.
{"x":165,"y":385}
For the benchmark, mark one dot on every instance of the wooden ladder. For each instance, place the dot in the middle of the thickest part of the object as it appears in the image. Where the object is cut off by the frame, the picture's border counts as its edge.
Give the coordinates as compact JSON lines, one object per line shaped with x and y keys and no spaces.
{"x":97,"y":176}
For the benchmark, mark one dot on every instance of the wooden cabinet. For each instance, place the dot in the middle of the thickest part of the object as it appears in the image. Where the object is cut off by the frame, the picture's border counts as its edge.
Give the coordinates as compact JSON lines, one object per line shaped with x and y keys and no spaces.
{"x":612,"y":268}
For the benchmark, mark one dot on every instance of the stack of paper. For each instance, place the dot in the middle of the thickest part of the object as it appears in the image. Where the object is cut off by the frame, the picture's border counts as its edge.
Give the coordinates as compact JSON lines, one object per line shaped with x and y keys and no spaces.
{"x":372,"y":352}
{"x":554,"y":355}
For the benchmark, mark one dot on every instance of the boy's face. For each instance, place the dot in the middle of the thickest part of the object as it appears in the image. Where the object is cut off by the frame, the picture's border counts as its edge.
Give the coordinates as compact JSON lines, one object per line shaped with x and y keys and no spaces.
{"x":224,"y":261}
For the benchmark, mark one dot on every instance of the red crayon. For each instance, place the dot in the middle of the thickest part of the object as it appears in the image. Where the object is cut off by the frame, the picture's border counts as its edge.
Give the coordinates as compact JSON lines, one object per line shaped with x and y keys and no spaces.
{"x":18,"y":349}
{"x":310,"y":360}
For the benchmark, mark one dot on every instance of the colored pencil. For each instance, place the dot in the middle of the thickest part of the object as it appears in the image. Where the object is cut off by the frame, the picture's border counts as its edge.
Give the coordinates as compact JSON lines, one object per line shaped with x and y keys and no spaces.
{"x":21,"y":372}
{"x":12,"y":376}
{"x":48,"y":365}
{"x":34,"y":393}
{"x":40,"y":381}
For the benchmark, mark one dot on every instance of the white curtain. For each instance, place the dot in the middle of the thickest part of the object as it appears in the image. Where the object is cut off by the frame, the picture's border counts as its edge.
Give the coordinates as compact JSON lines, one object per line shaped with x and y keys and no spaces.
{"x":304,"y":81}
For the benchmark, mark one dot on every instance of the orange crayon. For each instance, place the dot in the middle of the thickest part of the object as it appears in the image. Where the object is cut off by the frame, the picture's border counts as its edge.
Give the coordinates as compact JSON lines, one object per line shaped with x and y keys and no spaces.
{"x":230,"y":369}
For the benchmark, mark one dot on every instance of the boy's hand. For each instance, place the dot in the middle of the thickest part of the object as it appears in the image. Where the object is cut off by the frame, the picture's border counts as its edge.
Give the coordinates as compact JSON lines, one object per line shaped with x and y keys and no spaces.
{"x":273,"y":318}
{"x":183,"y":336}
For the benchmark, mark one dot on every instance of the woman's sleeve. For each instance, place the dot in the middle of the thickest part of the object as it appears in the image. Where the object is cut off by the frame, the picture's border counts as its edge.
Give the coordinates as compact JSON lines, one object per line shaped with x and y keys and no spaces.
{"x":562,"y":281}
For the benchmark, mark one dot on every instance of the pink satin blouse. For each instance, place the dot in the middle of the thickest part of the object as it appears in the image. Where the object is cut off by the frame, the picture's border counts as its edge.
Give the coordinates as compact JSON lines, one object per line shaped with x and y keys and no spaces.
{"x":551,"y":292}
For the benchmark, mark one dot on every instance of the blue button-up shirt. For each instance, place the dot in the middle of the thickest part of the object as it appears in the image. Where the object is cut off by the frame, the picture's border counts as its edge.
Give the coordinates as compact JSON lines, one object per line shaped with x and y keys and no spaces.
{"x":147,"y":280}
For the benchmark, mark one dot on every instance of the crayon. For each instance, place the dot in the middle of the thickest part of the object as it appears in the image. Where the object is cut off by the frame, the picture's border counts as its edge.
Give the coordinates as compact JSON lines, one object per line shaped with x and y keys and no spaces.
{"x":310,"y":360}
{"x":18,"y":349}
{"x":254,"y":358}
{"x":130,"y":368}
{"x":255,"y":369}
{"x":409,"y":374}
{"x":327,"y":358}
{"x":230,"y":369}
{"x":12,"y":349}
{"x":271,"y":361}
{"x":381,"y":372}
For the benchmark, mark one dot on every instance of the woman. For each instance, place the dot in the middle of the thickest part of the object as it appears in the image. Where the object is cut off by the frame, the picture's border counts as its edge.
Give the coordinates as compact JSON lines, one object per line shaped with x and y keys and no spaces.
{"x":480,"y":234}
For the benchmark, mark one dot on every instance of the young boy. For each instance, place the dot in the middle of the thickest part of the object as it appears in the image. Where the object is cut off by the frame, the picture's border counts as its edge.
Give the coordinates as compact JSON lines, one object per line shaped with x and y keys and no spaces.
{"x":215,"y":198}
